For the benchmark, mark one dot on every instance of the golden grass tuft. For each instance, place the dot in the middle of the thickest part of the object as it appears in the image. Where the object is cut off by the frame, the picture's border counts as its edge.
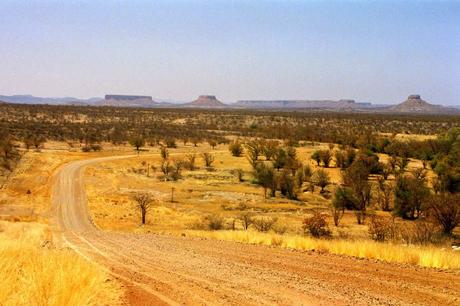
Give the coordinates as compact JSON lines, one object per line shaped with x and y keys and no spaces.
{"x":425,"y":256}
{"x":34,"y":273}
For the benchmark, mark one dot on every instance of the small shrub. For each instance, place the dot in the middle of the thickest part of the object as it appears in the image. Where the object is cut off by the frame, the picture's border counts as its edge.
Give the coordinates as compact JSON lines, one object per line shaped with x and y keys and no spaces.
{"x":419,"y":232}
{"x":96,"y":147}
{"x":170,"y":143}
{"x":316,"y":225}
{"x":263,"y":223}
{"x":238,"y":173}
{"x":214,"y":222}
{"x":198,"y":224}
{"x":381,"y":229}
{"x":280,"y":228}
{"x":236,"y":148}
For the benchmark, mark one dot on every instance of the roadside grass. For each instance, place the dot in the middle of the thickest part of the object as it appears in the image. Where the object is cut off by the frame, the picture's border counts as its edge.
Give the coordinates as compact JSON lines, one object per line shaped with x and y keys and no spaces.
{"x":425,"y":256}
{"x":32,"y":272}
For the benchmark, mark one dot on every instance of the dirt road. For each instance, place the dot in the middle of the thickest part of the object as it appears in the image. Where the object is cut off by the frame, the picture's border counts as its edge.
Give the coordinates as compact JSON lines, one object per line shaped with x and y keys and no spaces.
{"x":185,"y":271}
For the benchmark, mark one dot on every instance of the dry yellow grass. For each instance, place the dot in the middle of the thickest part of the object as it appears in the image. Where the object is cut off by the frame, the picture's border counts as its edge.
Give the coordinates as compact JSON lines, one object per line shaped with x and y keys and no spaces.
{"x":425,"y":256}
{"x":32,"y":272}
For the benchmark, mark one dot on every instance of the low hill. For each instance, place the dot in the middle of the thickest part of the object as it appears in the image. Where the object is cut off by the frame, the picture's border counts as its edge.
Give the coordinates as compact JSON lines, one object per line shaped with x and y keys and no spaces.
{"x":205,"y":101}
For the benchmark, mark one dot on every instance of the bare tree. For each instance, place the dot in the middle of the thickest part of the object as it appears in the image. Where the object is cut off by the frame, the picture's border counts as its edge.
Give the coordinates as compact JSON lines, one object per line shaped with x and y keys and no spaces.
{"x":246,"y":218}
{"x":190,"y":163}
{"x":164,"y":153}
{"x":143,"y":203}
{"x":208,"y":159}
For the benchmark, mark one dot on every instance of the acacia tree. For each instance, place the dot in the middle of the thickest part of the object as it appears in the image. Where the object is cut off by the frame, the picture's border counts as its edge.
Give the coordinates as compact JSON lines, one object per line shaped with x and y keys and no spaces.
{"x":287,"y":185}
{"x":343,"y":199}
{"x":326,"y":157}
{"x":355,"y":177}
{"x":411,"y":193}
{"x":137,"y":143}
{"x":279,"y":158}
{"x":316,"y":156}
{"x":321,"y":179}
{"x":253,"y":148}
{"x":270,"y":148}
{"x":385,"y":192}
{"x":212,"y":143}
{"x":38,"y":142}
{"x":266,"y":177}
{"x":445,"y":209}
{"x":144,"y":204}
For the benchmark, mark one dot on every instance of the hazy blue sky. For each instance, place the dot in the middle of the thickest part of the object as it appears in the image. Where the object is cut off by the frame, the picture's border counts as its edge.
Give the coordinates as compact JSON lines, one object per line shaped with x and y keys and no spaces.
{"x":368,"y":51}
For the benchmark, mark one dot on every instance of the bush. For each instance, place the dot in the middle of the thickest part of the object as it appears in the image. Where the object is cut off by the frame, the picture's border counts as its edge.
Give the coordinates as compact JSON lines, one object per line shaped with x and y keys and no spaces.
{"x":170,"y":143}
{"x":263,"y":223}
{"x":214,"y":222}
{"x":280,"y":228}
{"x":316,"y":225}
{"x":381,"y":229}
{"x":238,"y":173}
{"x":419,"y":232}
{"x":236,"y":148}
{"x":96,"y":147}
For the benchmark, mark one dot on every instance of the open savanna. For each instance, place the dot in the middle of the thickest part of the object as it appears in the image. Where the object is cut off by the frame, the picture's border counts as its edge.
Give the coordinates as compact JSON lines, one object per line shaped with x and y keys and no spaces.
{"x":182,"y":207}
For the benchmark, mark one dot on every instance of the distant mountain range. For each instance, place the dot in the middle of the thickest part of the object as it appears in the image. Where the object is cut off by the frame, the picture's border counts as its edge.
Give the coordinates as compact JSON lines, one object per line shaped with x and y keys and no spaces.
{"x":29,"y":99}
{"x":413,"y":104}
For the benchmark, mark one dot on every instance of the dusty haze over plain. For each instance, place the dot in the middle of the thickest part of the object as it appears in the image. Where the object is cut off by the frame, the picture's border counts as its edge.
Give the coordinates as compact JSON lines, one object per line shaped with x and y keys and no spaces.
{"x":369,"y":51}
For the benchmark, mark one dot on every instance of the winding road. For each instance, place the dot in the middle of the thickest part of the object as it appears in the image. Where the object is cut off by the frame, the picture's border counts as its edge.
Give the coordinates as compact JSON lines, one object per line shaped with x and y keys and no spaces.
{"x":165,"y":270}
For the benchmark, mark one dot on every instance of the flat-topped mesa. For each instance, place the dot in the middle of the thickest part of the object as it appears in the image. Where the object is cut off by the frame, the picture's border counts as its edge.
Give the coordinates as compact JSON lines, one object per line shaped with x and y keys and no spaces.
{"x":127,"y":98}
{"x":207,"y":97}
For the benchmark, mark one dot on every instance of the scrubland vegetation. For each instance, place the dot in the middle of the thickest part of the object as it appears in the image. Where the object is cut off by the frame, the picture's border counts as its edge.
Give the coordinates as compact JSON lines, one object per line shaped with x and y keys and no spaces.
{"x":383,"y":187}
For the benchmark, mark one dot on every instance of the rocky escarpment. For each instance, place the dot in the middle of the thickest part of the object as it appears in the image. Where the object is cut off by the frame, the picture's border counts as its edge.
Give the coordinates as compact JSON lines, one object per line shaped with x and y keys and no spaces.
{"x":314,"y":104}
